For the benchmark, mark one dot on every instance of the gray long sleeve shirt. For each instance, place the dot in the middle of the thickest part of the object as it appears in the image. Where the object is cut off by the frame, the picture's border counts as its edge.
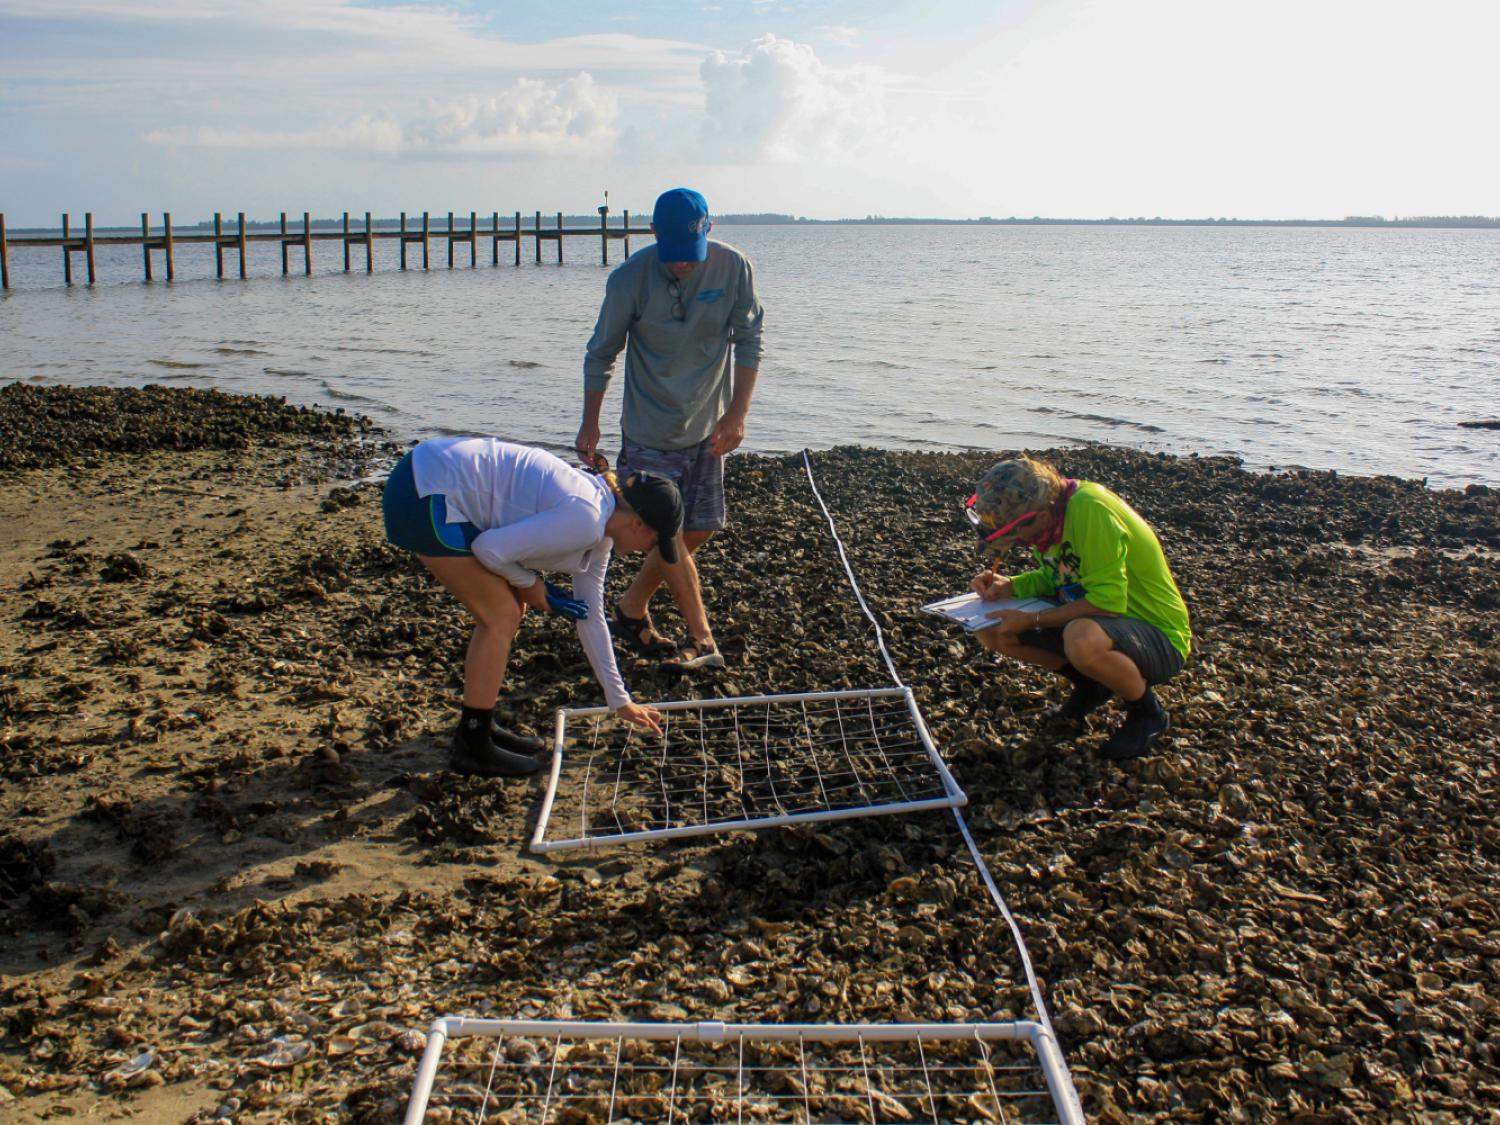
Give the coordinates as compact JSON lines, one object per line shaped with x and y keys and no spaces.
{"x":678,"y":338}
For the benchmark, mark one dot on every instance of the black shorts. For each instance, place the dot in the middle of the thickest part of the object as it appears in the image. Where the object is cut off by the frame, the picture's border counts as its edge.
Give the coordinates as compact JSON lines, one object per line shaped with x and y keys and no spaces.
{"x":1147,"y":646}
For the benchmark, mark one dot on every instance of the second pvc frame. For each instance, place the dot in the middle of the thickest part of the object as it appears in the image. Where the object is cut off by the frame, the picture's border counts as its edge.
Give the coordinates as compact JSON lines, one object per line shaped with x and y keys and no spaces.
{"x":954,"y":796}
{"x":1054,"y":1070}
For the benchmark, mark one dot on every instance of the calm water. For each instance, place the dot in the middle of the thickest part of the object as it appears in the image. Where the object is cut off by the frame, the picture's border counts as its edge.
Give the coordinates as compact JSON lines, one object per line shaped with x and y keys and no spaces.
{"x":1355,"y":350}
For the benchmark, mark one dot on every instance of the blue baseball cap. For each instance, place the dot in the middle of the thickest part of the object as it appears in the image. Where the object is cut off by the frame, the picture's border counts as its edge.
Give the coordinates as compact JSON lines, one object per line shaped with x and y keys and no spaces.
{"x":682,"y":225}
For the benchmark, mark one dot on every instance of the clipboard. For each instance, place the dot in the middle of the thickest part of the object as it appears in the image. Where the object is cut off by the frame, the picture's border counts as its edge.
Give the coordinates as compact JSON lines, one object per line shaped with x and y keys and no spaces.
{"x":973,"y":612}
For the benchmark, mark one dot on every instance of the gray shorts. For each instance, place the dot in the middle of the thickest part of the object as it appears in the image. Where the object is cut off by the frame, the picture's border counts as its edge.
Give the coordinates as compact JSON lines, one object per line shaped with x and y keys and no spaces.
{"x":1146,"y":645}
{"x":697,"y":473}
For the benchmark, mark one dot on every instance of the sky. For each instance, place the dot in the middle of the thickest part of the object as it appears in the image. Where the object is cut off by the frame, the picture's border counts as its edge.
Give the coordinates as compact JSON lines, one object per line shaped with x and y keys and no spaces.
{"x":1253,"y":109}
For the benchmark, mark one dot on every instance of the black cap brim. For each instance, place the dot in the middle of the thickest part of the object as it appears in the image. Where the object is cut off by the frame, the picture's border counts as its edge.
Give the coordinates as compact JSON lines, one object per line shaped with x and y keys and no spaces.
{"x":667,"y":545}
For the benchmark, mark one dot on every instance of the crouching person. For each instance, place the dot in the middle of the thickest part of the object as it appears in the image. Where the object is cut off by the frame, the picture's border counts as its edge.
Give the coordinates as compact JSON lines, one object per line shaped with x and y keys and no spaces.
{"x":484,"y":516}
{"x":1120,"y":625}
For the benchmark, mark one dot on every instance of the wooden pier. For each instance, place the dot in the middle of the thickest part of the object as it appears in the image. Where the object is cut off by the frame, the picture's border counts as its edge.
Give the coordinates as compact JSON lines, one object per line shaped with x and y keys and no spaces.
{"x":237,"y":239}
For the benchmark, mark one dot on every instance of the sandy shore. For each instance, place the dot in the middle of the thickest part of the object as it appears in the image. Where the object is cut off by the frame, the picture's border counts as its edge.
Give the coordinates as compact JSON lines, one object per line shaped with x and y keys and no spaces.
{"x":236,"y":880}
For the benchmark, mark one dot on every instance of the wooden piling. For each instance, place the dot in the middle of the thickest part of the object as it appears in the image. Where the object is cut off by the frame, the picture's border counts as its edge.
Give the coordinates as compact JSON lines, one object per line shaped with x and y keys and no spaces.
{"x":4,"y":256}
{"x":146,"y":243}
{"x":627,"y":232}
{"x":604,"y":234}
{"x":538,"y":228}
{"x":67,"y":257}
{"x":471,"y":236}
{"x":559,"y":238}
{"x":283,"y":245}
{"x":307,"y":243}
{"x":88,"y":242}
{"x":426,"y":232}
{"x":366,"y":238}
{"x":221,"y":241}
{"x":166,"y":222}
{"x":518,"y":238}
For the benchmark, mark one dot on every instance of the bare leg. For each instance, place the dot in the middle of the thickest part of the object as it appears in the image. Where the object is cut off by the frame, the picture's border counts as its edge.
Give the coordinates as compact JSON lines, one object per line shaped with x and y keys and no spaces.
{"x":497,"y":616}
{"x":682,"y":580}
{"x":1090,"y":650}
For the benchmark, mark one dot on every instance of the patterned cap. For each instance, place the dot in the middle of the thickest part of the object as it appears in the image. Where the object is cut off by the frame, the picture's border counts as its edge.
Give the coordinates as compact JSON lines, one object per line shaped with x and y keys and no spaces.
{"x":1011,"y":488}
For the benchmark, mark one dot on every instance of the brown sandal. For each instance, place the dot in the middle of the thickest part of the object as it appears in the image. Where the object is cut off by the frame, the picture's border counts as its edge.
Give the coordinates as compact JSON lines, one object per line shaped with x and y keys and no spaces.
{"x":639,"y":635}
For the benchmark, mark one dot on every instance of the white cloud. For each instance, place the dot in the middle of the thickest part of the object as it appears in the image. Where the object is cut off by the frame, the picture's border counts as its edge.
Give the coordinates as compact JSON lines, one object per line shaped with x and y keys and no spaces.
{"x":779,"y":100}
{"x":376,"y":134}
{"x":529,"y":118}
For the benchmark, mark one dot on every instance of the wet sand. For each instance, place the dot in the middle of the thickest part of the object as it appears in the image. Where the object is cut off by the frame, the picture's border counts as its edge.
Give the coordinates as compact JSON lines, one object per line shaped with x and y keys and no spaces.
{"x":236,"y":879}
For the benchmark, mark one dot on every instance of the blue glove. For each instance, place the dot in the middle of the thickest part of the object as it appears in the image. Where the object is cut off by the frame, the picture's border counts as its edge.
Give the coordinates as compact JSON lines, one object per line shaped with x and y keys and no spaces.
{"x":559,"y":602}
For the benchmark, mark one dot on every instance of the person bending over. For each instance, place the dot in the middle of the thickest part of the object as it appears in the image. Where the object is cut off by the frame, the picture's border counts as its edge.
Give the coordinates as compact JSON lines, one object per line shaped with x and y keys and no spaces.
{"x":484,"y":516}
{"x":1120,"y":625}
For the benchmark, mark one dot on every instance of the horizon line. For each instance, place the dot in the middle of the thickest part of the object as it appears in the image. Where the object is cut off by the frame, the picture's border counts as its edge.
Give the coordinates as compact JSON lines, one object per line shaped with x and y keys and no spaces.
{"x":776,"y":218}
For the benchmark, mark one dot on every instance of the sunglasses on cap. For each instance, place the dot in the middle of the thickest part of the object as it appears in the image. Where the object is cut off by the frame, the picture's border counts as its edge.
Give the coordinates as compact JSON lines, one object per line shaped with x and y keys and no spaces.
{"x":984,"y":524}
{"x":594,"y":462}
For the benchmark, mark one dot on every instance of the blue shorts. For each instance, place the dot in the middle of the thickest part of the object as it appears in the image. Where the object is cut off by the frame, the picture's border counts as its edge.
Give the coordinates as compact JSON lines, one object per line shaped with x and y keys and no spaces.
{"x":696,"y":471}
{"x":420,"y":523}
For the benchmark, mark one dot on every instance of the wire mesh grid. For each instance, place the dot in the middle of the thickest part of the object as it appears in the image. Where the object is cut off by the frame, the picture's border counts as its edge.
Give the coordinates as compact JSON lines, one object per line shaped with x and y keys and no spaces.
{"x":749,"y":762}
{"x":557,"y":1073}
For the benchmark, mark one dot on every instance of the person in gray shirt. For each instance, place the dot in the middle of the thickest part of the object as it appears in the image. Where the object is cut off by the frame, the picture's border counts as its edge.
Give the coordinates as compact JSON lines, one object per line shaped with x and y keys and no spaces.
{"x":682,"y":310}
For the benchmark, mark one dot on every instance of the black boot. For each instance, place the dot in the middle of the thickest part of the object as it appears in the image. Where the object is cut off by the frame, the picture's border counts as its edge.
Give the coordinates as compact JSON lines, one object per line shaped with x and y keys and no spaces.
{"x":508,"y":739}
{"x":1088,"y":696}
{"x":1145,"y":722}
{"x":475,"y":753}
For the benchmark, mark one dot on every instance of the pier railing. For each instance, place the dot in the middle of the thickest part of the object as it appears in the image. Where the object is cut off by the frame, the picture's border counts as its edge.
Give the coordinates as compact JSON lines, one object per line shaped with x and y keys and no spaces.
{"x":236,"y":239}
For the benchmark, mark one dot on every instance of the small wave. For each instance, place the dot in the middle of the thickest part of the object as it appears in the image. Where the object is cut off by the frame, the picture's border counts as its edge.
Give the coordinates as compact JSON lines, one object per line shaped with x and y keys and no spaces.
{"x":1216,"y":359}
{"x":348,"y":396}
{"x":239,"y":351}
{"x":525,"y":364}
{"x":175,"y":363}
{"x":379,"y":351}
{"x":288,"y":372}
{"x":1119,"y":423}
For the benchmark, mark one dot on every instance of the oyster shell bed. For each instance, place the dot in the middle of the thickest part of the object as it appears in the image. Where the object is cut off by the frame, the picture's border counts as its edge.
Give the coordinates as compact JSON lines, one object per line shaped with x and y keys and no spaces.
{"x":236,"y":882}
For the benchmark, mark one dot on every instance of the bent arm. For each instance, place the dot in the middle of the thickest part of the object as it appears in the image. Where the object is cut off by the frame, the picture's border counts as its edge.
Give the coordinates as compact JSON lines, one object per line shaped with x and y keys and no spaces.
{"x":556,"y":531}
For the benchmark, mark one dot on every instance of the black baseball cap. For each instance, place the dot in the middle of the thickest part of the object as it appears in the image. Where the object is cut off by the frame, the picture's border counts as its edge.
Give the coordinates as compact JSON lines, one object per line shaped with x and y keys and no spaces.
{"x":656,"y":500}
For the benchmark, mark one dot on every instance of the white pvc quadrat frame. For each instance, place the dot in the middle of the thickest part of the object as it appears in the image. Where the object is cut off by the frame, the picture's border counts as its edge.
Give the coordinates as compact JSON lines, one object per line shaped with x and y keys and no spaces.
{"x":791,"y":1092}
{"x":952,"y":796}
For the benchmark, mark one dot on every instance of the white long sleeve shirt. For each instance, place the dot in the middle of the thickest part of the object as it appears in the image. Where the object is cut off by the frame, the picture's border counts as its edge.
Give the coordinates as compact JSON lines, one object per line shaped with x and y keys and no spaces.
{"x":535,"y":513}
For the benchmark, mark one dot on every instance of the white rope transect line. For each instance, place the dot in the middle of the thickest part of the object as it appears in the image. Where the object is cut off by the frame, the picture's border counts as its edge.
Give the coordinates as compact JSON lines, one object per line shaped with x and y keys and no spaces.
{"x":963,"y":826}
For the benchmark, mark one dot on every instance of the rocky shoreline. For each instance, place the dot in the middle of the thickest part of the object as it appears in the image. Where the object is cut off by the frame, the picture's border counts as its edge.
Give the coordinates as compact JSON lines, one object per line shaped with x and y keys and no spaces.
{"x":235,"y":879}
